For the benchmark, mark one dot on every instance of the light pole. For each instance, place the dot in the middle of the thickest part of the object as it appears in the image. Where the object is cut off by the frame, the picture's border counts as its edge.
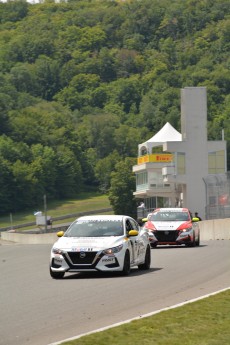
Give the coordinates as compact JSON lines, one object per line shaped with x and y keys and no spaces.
{"x":11,"y":221}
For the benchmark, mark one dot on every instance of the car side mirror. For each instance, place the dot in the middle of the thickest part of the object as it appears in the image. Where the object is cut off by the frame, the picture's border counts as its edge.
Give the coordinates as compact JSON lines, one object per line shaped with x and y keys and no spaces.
{"x":133,"y":233}
{"x":60,"y":233}
{"x":144,"y":220}
{"x":194,"y":219}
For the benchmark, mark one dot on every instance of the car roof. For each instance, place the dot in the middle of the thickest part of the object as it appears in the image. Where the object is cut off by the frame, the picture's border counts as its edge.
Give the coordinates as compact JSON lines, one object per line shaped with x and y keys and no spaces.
{"x":103,"y":217}
{"x":171,"y":209}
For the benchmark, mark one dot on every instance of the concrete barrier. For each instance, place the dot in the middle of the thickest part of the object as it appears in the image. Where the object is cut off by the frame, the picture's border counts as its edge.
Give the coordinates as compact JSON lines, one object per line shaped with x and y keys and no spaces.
{"x":29,"y":238}
{"x":214,"y":229}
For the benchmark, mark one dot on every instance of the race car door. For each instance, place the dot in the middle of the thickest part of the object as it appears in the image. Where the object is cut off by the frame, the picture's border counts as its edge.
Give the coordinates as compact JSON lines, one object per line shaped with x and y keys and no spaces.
{"x":134,"y":240}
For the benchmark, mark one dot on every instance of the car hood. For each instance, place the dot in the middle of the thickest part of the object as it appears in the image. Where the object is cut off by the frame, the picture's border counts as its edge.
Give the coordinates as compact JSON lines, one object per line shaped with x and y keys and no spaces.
{"x":88,"y":243}
{"x":171,"y":225}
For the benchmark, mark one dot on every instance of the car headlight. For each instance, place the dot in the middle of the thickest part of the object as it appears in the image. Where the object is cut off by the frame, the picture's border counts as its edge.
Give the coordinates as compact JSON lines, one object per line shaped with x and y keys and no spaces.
{"x":57,"y":251}
{"x":113,"y":250}
{"x":186,"y":230}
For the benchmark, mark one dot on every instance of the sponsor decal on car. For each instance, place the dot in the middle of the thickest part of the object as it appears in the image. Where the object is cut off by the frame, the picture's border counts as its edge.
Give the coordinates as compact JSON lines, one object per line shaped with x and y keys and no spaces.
{"x":78,"y":249}
{"x":110,"y":260}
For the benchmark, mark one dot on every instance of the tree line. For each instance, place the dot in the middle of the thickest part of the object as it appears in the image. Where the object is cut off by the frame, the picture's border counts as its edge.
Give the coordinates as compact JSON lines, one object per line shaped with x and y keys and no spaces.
{"x":82,"y":83}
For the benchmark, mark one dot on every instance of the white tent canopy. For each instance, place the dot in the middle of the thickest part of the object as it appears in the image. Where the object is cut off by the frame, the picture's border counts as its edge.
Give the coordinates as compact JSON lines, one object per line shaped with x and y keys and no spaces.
{"x":167,"y":133}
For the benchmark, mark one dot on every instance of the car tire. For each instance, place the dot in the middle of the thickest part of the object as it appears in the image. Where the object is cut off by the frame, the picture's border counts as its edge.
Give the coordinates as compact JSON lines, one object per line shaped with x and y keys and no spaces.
{"x":153,"y":245}
{"x":147,"y":263}
{"x":126,"y":266}
{"x":56,"y":275}
{"x":193,"y":242}
{"x":198,"y":240}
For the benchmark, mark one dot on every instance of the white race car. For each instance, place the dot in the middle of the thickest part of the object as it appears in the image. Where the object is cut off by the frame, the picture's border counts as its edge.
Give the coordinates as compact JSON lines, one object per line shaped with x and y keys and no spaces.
{"x":100,"y":243}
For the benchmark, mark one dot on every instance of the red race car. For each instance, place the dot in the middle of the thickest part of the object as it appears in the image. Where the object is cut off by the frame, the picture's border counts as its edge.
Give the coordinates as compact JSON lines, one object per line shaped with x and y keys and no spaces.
{"x":173,"y":226}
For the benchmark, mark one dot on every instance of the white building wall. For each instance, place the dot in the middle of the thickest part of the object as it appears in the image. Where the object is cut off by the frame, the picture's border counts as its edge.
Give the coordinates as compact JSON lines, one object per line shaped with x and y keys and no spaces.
{"x":194,"y":133}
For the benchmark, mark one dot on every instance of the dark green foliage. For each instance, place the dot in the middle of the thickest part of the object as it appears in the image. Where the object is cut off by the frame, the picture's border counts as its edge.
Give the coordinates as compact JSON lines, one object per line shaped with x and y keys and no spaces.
{"x":123,"y":184}
{"x":82,"y":83}
{"x":6,"y":184}
{"x":13,"y":11}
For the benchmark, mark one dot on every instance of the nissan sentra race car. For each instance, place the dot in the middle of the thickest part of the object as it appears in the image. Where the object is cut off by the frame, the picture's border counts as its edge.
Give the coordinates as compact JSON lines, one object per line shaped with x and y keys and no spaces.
{"x":100,"y":243}
{"x":173,"y":226}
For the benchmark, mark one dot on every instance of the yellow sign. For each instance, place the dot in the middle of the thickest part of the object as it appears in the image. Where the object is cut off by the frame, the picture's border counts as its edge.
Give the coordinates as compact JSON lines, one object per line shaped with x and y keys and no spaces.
{"x":155,"y":158}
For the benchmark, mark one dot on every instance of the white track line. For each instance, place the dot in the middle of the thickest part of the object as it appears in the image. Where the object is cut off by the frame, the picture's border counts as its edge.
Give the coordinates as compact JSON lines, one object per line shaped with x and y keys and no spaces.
{"x":139,"y":317}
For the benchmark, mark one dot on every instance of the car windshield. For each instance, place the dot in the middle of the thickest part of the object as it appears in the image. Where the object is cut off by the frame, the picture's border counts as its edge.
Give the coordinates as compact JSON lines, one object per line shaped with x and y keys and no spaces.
{"x":169,"y":216}
{"x":95,"y":228}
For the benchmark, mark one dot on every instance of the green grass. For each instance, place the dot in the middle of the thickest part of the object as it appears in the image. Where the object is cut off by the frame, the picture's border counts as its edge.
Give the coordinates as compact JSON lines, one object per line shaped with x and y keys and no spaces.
{"x":205,"y":322}
{"x":84,"y":202}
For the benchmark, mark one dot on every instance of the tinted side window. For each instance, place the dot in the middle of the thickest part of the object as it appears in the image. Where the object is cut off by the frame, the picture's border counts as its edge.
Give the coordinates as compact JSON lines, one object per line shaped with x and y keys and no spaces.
{"x":128,"y":225}
{"x":134,"y":225}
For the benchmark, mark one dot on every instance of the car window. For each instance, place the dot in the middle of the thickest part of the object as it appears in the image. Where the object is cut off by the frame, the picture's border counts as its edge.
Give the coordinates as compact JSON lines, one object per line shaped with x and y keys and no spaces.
{"x":128,"y":225}
{"x":134,"y":225}
{"x":170,"y":216}
{"x":95,"y":228}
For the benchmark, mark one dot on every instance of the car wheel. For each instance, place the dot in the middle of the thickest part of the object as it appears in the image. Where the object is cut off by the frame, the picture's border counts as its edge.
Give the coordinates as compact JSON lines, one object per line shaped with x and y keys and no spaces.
{"x":198,"y":240}
{"x":153,"y":245}
{"x":147,"y":263}
{"x":57,"y":275}
{"x":126,"y":266}
{"x":193,"y":242}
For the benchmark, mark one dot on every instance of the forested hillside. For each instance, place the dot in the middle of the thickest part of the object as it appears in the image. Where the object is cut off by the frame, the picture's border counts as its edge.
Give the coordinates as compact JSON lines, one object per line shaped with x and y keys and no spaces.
{"x":82,"y":83}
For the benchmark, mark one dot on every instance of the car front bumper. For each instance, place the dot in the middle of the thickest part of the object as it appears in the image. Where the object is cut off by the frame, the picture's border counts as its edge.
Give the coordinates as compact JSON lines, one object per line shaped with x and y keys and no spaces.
{"x":86,"y":262}
{"x":173,"y":237}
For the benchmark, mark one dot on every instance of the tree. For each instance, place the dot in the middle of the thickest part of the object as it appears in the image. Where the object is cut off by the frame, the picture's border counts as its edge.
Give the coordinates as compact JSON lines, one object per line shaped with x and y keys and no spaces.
{"x":88,"y":167}
{"x":45,"y":169}
{"x":91,"y":38}
{"x":79,"y":92}
{"x":26,"y":186}
{"x":6,"y":184}
{"x":5,"y":101}
{"x":47,"y":77}
{"x":122,"y":187}
{"x":103,"y":169}
{"x":13,"y":11}
{"x":158,"y":108}
{"x":126,"y":92}
{"x":69,"y":173}
{"x":12,"y":151}
{"x":45,"y":123}
{"x":97,"y":131}
{"x":127,"y":139}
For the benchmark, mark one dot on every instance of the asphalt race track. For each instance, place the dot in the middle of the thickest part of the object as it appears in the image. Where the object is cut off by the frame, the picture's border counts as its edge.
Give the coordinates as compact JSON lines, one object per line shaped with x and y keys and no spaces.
{"x":37,"y":310}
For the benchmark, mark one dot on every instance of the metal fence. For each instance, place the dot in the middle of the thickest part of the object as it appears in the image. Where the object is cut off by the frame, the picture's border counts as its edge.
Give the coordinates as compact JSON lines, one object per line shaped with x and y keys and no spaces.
{"x":217,"y":196}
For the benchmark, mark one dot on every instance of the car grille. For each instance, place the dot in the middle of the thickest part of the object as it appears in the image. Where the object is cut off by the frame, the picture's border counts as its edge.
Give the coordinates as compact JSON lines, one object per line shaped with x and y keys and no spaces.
{"x":81,"y":258}
{"x":166,"y":236}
